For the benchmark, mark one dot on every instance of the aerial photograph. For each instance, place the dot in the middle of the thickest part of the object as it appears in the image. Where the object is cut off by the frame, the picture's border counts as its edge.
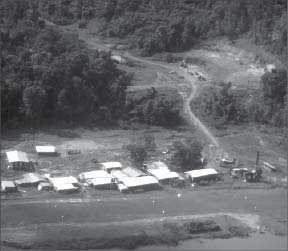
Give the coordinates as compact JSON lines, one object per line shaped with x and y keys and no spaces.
{"x":144,"y":124}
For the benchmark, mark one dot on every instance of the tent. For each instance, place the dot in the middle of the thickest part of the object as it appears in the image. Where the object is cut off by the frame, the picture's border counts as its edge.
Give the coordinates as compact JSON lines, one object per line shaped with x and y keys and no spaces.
{"x":8,"y":186}
{"x":109,"y":166}
{"x":46,"y":150}
{"x":63,"y":180}
{"x":118,"y":175}
{"x":202,"y":174}
{"x":133,"y":172}
{"x":18,"y":160}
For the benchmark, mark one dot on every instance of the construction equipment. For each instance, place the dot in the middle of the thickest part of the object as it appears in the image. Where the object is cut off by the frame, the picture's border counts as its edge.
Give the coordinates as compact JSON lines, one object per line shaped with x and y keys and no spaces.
{"x":183,"y":64}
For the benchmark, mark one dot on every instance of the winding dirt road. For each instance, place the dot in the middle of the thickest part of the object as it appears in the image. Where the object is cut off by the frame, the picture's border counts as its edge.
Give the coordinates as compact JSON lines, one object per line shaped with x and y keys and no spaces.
{"x":93,"y":43}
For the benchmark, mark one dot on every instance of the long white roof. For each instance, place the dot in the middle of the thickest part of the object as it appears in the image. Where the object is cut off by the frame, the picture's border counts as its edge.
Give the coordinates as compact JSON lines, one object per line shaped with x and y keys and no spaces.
{"x":100,"y":181}
{"x":95,"y":174}
{"x":17,"y":156}
{"x":111,"y":165}
{"x":7,"y":183}
{"x":161,"y":174}
{"x":64,"y":186}
{"x":45,"y":149}
{"x":63,"y":180}
{"x":139,"y":181}
{"x":201,"y":172}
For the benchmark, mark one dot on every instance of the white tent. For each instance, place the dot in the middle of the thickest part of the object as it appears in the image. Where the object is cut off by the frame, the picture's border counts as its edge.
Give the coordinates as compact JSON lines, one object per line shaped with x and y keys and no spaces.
{"x":100,"y":182}
{"x":63,"y":180}
{"x":64,"y":187}
{"x":109,"y":166}
{"x":118,"y":175}
{"x":8,"y":186}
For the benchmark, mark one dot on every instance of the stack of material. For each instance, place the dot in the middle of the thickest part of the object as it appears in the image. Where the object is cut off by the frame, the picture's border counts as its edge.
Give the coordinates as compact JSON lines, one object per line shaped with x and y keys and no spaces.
{"x":65,"y":184}
{"x":109,"y":166}
{"x":30,"y":179}
{"x":202,"y":174}
{"x":8,"y":186}
{"x":97,"y":179}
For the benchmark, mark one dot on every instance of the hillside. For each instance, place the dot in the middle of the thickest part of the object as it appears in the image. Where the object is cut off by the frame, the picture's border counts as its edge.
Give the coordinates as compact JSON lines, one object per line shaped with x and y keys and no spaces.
{"x":167,"y":25}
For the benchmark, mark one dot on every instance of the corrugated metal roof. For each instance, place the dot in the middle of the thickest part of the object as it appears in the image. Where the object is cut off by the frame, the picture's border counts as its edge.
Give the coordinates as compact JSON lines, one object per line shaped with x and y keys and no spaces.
{"x":201,"y":172}
{"x":17,"y":156}
{"x":162,"y":174}
{"x":133,"y":172}
{"x":111,"y":165}
{"x":95,"y":174}
{"x":45,"y":149}
{"x":139,"y":181}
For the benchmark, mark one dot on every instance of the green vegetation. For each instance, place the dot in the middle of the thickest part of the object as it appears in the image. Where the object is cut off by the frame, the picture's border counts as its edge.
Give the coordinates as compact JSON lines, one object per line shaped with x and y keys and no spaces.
{"x":267,"y":106}
{"x":185,"y":154}
{"x":155,"y":107}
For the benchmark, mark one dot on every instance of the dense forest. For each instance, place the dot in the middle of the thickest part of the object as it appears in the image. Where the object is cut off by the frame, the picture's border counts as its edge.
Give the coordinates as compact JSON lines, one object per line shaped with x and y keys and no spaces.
{"x":50,"y":76}
{"x":168,"y":25}
{"x":46,"y":73}
{"x":266,"y":106}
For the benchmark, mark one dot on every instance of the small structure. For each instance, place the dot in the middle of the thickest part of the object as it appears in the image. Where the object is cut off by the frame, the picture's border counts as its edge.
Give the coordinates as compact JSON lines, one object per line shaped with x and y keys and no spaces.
{"x":18,"y":160}
{"x":163,"y":175}
{"x":44,"y":186}
{"x":133,"y":172}
{"x":109,"y":166}
{"x":30,"y":179}
{"x":144,"y":182}
{"x":118,"y":59}
{"x":46,"y":150}
{"x":8,"y":186}
{"x":98,"y":179}
{"x":65,"y":184}
{"x":228,"y":161}
{"x":239,"y":172}
{"x":202,"y":174}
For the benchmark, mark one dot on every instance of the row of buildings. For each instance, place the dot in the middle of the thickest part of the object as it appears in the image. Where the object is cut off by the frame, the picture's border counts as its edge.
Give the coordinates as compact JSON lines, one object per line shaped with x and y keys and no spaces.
{"x":111,"y":175}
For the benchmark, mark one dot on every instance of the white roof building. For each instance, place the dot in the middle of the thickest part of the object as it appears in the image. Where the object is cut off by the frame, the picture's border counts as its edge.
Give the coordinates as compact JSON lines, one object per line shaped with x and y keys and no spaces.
{"x":64,"y":187}
{"x":17,"y":156}
{"x":130,"y":182}
{"x":119,"y":175}
{"x":7,"y":186}
{"x":100,"y":181}
{"x":45,"y":149}
{"x":94,"y":174}
{"x":133,"y":172}
{"x":162,"y":174}
{"x":194,"y":174}
{"x":109,"y":166}
{"x":63,"y":180}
